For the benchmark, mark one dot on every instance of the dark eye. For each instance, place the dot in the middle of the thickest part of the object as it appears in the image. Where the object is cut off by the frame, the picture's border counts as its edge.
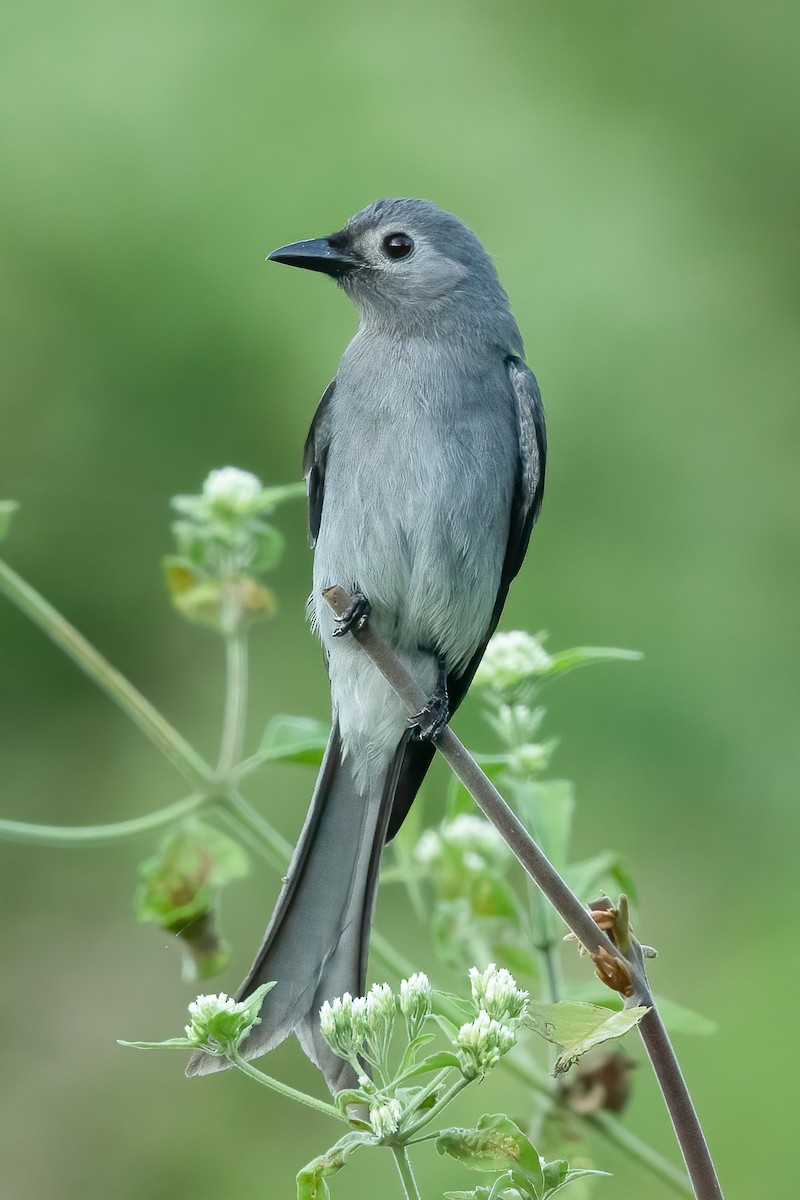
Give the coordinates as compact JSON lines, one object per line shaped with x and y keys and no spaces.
{"x":397,"y":245}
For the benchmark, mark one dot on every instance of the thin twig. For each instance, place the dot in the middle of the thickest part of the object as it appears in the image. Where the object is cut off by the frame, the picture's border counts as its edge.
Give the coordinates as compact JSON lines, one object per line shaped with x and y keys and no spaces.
{"x":656,"y":1041}
{"x":97,"y":835}
{"x":141,"y":711}
{"x":233,"y":725}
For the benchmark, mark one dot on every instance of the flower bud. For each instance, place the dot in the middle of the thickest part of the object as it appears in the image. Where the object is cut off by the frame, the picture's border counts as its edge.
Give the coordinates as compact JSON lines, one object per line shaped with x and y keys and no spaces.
{"x":482,"y":1043}
{"x":343,"y":1025}
{"x":415,"y":1002}
{"x":496,"y":992}
{"x":511,"y":660}
{"x":220,"y":1023}
{"x":231,"y":487}
{"x":381,"y":1011}
{"x":385,"y":1117}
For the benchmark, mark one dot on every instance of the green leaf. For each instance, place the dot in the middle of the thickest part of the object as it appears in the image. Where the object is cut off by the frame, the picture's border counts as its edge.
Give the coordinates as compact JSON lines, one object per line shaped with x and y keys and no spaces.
{"x":435,"y":1062}
{"x":546,"y":808}
{"x":585,"y":656}
{"x":589,"y":878}
{"x":269,"y":544}
{"x":570,"y":1177}
{"x":7,"y":510}
{"x":311,"y":1180}
{"x":459,"y":800}
{"x":179,"y":1043}
{"x":179,"y":883}
{"x":577,"y":1027}
{"x":294,"y":739}
{"x":410,"y":1053}
{"x":495,"y":1144}
{"x":478,"y":1193}
{"x":677,"y":1017}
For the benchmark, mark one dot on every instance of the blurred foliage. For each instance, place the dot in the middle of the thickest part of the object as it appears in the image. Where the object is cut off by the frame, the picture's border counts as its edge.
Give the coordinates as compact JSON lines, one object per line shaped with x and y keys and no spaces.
{"x":634,"y":169}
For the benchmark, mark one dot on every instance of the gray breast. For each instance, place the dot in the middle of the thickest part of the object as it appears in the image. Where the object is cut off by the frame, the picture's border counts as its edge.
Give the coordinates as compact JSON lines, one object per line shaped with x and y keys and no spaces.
{"x":419,"y":480}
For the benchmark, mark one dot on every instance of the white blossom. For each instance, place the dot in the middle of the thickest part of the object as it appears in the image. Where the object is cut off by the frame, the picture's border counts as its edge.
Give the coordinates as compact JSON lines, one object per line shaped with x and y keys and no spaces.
{"x":232,"y":487}
{"x":477,"y":843}
{"x":343,"y":1024}
{"x":511,"y":659}
{"x":482,"y":1043}
{"x":220,"y":1021}
{"x":385,"y":1117}
{"x":415,"y":1002}
{"x":495,"y":991}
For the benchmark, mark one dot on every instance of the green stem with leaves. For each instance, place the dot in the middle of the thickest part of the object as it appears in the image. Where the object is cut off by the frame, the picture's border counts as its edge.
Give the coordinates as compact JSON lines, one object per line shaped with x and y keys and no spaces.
{"x":246,"y":820}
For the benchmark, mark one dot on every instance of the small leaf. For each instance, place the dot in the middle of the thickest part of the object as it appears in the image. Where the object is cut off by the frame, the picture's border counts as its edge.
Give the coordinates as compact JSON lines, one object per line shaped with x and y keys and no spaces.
{"x":588,"y":879}
{"x":7,"y":510}
{"x":570,"y":1177}
{"x":435,"y":1062}
{"x":585,"y":656}
{"x":496,"y":1144}
{"x":311,"y":1180}
{"x":294,"y":739}
{"x":179,"y":1043}
{"x":546,"y":808}
{"x":478,"y":1193}
{"x":577,"y":1027}
{"x":679,"y":1019}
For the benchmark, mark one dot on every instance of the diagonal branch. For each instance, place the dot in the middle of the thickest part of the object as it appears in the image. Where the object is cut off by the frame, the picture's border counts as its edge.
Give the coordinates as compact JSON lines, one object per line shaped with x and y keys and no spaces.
{"x":579,"y":919}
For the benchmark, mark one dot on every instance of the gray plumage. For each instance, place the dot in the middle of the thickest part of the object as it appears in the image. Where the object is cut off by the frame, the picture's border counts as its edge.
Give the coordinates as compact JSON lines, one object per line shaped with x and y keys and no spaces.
{"x":425,"y":469}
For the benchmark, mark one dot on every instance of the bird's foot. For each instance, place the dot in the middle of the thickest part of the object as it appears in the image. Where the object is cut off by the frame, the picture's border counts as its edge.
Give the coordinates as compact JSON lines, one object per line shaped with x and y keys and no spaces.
{"x":431,"y":721}
{"x":355,"y":616}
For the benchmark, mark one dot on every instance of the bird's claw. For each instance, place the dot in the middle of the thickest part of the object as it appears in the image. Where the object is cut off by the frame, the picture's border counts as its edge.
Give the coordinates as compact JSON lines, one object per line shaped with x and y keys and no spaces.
{"x":354,"y":617}
{"x":431,"y":721}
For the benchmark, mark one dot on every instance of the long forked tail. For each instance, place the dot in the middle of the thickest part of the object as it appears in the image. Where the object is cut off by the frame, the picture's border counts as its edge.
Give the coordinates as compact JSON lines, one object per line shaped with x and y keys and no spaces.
{"x":317,"y":941}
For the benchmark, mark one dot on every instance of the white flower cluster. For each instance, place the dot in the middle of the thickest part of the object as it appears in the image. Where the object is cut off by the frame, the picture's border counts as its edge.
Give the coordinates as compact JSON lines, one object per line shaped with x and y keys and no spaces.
{"x":232,"y":487}
{"x":511,"y":659}
{"x":495,"y":991}
{"x":501,"y":1007}
{"x":353,"y":1025}
{"x":476,"y":842}
{"x":343,"y":1024}
{"x":220,"y":1022}
{"x":384,"y":1117}
{"x":415,"y":1002}
{"x":482,"y":1043}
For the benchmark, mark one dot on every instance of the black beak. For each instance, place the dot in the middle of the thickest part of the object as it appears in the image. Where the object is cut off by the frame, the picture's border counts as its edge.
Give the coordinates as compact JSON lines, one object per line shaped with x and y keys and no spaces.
{"x":317,"y":254}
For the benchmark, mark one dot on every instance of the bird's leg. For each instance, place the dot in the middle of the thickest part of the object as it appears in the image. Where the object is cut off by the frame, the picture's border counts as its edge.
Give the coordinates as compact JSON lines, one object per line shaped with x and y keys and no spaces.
{"x":430,"y":721}
{"x":354,"y":616}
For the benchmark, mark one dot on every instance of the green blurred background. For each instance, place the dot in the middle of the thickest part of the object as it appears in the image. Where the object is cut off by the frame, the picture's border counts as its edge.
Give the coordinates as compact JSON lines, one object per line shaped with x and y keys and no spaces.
{"x":634,"y":170}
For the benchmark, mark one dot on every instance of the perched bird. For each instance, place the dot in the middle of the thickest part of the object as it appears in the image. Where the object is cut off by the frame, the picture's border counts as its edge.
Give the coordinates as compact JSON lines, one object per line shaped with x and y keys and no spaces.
{"x":425,"y":469}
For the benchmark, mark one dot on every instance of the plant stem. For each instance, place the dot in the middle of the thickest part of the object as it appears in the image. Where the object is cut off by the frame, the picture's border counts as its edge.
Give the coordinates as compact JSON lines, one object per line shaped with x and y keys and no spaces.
{"x":233,"y":728}
{"x":617,"y":1133}
{"x":141,"y":711}
{"x":656,"y":1042}
{"x":406,"y":1174}
{"x":251,"y":819}
{"x":284,"y":1089}
{"x":442,"y":1103}
{"x":93,"y":835}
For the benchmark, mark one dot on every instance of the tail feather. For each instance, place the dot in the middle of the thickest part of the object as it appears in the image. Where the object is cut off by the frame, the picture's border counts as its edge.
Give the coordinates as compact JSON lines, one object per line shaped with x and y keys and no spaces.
{"x":317,"y":941}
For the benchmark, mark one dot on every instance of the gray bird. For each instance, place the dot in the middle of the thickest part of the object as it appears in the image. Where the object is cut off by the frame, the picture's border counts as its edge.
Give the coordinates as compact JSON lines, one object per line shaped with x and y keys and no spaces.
{"x":425,"y":470}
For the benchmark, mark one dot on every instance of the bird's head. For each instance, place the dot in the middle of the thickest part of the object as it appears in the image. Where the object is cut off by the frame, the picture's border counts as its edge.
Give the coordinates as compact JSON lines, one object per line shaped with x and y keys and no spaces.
{"x":404,"y":262}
